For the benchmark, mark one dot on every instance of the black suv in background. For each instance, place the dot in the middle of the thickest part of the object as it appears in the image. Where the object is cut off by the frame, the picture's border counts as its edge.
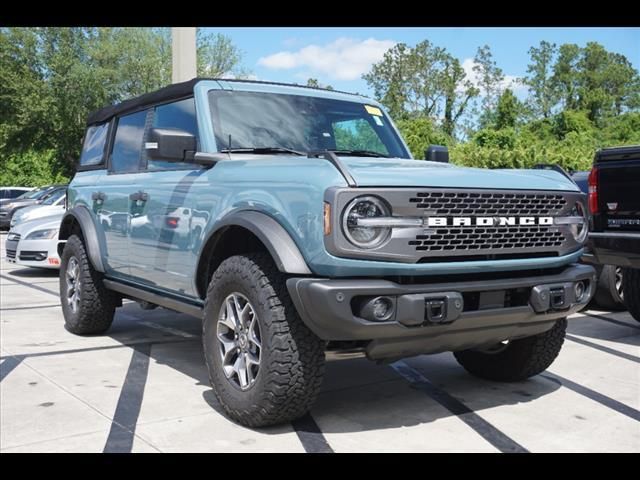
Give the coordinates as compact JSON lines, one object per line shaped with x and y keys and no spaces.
{"x":609,"y":294}
{"x":614,"y":204}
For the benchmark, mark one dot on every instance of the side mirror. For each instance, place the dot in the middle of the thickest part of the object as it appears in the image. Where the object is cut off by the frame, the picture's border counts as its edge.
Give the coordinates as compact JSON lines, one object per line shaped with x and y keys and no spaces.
{"x":437,"y":153}
{"x":170,"y":144}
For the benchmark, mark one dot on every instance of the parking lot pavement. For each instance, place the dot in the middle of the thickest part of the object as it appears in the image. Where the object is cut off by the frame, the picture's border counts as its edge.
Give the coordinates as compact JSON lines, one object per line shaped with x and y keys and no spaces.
{"x":143,"y":387}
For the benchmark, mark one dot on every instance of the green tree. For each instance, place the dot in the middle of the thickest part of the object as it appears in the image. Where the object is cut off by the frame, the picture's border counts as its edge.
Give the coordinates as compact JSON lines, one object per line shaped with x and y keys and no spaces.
{"x":508,"y":110}
{"x":538,"y":78}
{"x":489,"y":80}
{"x":566,"y":76}
{"x":458,"y":92}
{"x":218,"y":56}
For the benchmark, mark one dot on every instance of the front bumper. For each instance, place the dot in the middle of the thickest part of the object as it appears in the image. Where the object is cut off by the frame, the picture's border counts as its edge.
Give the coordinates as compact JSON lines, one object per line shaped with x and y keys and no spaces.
{"x":329,"y":307}
{"x":616,"y":248}
{"x":33,"y":253}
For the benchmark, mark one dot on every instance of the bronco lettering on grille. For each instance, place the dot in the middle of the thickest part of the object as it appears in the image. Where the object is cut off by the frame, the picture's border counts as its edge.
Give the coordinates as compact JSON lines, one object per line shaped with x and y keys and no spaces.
{"x":486,"y":221}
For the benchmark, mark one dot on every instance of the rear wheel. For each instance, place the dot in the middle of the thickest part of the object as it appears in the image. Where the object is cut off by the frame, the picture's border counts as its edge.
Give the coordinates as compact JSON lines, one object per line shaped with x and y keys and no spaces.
{"x":631,"y":286}
{"x":610,"y":292}
{"x":87,"y":305}
{"x":265,"y":365}
{"x":515,"y":360}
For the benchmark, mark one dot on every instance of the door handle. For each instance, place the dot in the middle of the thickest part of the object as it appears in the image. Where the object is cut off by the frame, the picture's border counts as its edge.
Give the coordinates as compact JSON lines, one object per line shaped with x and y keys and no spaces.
{"x":139,"y":196}
{"x":98,"y":197}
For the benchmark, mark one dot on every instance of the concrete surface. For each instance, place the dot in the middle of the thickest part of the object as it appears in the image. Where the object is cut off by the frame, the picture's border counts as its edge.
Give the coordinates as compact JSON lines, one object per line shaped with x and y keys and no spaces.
{"x":143,"y":387}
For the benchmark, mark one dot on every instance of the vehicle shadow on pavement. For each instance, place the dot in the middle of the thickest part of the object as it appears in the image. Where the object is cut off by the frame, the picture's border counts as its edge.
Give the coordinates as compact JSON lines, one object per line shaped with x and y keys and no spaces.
{"x":32,"y":272}
{"x":357,"y":394}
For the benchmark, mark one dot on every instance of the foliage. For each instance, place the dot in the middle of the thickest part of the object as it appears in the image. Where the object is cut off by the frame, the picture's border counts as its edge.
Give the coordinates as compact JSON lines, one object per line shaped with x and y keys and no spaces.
{"x":52,"y":78}
{"x":31,"y":169}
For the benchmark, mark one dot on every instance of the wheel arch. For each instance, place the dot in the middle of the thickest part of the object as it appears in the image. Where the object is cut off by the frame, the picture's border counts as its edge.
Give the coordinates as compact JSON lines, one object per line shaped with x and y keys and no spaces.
{"x":79,"y":220}
{"x":245,"y":231}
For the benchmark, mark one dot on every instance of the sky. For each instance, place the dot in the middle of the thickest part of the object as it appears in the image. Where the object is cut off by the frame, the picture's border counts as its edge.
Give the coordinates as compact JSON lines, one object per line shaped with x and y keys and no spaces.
{"x":338,"y":56}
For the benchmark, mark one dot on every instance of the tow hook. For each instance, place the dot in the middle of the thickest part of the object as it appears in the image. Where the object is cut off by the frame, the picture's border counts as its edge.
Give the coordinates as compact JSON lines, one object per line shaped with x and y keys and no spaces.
{"x":560,"y":296}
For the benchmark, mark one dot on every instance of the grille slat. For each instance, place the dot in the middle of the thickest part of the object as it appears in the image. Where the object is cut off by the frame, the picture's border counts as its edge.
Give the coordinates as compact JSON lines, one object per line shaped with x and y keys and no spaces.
{"x":456,"y":203}
{"x":11,"y":254}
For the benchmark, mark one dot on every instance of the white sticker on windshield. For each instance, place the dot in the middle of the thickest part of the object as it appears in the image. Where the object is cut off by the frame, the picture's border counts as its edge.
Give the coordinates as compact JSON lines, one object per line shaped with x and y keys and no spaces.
{"x":378,"y":121}
{"x":326,"y":134}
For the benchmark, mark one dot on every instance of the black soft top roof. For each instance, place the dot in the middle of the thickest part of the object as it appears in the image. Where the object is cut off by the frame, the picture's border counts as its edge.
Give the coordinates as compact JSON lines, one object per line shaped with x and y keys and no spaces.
{"x":172,"y":92}
{"x":168,"y":93}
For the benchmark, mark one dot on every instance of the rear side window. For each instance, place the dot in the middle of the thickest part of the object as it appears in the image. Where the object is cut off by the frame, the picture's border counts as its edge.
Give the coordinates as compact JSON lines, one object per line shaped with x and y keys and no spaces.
{"x":94,"y":143}
{"x":180,"y":115}
{"x":127,"y":145}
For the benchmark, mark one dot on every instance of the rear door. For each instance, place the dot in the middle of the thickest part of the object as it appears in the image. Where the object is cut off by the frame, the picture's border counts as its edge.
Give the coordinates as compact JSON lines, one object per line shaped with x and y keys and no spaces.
{"x":116,"y":190}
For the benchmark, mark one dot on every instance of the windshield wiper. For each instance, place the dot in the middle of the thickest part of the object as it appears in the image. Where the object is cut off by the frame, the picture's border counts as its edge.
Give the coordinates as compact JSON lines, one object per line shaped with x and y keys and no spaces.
{"x":263,"y":150}
{"x":360,"y":153}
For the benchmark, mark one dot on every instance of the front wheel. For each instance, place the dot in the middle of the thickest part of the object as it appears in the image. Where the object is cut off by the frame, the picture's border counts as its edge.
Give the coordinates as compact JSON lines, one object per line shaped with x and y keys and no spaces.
{"x":265,"y":365}
{"x":515,"y":360}
{"x":631,"y":287}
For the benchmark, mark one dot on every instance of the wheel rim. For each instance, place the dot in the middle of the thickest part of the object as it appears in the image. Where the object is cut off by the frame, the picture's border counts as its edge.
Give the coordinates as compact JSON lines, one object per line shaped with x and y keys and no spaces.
{"x":72,"y":276}
{"x":619,"y":290}
{"x":239,"y":341}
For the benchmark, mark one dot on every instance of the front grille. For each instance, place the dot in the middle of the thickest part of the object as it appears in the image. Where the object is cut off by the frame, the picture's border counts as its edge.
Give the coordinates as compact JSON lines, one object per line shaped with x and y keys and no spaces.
{"x":461,"y":225}
{"x":493,"y":238}
{"x":491,"y":203}
{"x":11,"y":254}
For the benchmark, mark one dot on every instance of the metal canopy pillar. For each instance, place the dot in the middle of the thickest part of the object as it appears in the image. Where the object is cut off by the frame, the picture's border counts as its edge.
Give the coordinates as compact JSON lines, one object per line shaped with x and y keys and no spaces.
{"x":183,"y":51}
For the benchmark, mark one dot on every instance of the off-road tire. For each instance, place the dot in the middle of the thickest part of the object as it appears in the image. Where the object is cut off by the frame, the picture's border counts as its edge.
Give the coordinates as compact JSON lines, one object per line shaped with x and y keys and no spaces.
{"x":292,"y":357}
{"x":631,"y":287}
{"x":606,"y":295}
{"x":521,"y":359}
{"x":97,"y":303}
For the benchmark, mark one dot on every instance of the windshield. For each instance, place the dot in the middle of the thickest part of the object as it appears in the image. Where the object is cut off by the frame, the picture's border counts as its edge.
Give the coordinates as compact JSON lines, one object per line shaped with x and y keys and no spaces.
{"x":256,"y":120}
{"x":54,"y":197}
{"x":37,"y":193}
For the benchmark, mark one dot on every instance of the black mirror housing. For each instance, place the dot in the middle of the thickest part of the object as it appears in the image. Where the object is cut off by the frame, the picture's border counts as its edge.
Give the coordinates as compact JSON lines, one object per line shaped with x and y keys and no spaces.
{"x":437,"y":153}
{"x":170,"y":144}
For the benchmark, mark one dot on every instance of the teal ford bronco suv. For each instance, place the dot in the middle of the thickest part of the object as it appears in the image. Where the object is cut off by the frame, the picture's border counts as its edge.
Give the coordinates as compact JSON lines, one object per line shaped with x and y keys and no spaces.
{"x":294,"y":221}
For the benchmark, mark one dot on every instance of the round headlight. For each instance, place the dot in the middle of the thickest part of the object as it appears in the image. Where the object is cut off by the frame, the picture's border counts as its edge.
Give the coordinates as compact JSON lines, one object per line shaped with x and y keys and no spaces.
{"x":362,"y":208}
{"x":580,"y":230}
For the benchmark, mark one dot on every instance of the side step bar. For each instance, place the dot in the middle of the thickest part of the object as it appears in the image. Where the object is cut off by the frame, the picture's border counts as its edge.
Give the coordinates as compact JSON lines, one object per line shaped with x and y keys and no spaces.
{"x":171,"y":303}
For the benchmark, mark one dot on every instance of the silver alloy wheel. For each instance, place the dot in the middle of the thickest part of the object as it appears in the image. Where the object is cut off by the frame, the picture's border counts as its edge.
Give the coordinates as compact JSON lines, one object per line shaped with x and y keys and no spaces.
{"x":72,"y":276}
{"x":239,"y":341}
{"x":618,"y":283}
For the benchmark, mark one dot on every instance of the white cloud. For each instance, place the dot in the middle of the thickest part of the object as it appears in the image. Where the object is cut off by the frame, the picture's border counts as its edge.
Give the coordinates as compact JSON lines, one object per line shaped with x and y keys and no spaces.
{"x":342,"y":59}
{"x":509,"y":81}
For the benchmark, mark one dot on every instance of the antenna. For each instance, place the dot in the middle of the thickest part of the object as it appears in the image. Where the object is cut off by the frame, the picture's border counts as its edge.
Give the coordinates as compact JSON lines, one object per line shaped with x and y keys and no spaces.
{"x":229,"y":147}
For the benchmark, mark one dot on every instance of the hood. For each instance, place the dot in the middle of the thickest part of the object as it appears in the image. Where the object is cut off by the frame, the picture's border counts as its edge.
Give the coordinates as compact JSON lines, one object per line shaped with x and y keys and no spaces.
{"x":16,"y":202}
{"x":52,"y":221}
{"x":37,"y":211}
{"x":394,"y":172}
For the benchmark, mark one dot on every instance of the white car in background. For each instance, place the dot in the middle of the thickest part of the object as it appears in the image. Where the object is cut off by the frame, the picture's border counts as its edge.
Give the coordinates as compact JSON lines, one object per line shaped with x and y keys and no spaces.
{"x":35,"y":243}
{"x":53,"y":205}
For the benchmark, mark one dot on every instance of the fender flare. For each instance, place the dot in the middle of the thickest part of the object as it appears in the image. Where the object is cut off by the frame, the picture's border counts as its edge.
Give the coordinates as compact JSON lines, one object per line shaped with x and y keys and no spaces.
{"x":93,"y":242}
{"x":279,"y":243}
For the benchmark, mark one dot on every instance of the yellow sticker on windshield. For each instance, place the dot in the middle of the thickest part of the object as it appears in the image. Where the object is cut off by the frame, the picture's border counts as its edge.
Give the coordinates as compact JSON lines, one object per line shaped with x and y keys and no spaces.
{"x":373,"y":110}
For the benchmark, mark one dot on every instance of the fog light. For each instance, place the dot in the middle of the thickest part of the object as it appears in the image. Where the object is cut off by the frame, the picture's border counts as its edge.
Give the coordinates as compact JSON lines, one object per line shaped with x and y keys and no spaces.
{"x":378,"y":309}
{"x":579,"y":289}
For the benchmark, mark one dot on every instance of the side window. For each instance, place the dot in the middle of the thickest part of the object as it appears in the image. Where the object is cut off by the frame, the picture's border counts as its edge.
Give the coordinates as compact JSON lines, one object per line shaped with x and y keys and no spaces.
{"x":93,"y":147}
{"x":180,"y":115}
{"x":357,"y":134}
{"x":127,"y":145}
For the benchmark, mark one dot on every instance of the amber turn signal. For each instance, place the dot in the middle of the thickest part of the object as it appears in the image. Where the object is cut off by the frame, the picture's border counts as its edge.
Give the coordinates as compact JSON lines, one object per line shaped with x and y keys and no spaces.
{"x":327,"y":218}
